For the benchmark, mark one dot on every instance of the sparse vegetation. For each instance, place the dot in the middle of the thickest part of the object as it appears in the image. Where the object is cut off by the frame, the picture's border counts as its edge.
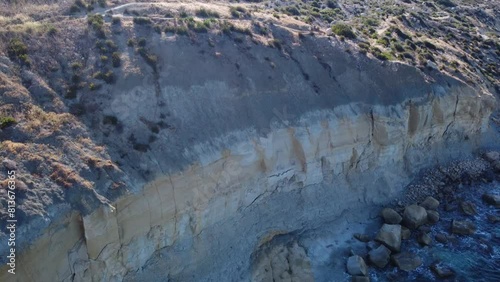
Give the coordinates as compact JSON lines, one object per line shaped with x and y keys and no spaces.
{"x":142,"y":21}
{"x":108,"y":76}
{"x":151,"y":59}
{"x":96,"y":21}
{"x":115,"y":57}
{"x":204,"y":13}
{"x":238,"y":12}
{"x":18,"y":51}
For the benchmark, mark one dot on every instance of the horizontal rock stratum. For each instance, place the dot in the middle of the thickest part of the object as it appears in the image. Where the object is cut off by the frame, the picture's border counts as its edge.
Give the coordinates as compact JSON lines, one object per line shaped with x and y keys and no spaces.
{"x":243,"y":151}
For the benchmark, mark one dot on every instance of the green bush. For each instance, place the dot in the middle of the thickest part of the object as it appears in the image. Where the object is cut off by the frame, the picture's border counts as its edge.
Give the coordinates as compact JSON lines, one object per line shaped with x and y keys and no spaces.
{"x":142,"y":20}
{"x":204,"y":13}
{"x":93,"y":86}
{"x":76,"y":66}
{"x":170,"y":28}
{"x":104,"y":58}
{"x":183,"y":13}
{"x":74,"y":9}
{"x":115,"y":57}
{"x":242,"y":30}
{"x":52,"y":31}
{"x":384,"y":41}
{"x":364,"y":46}
{"x":150,"y":59}
{"x":98,"y":75}
{"x":182,"y":30}
{"x":384,"y":56}
{"x":429,"y":45}
{"x":109,"y":77}
{"x":141,"y":42}
{"x":111,"y":46}
{"x":96,"y":21}
{"x":131,"y":42}
{"x":17,"y":50}
{"x":343,"y":30}
{"x":200,"y":27}
{"x":292,"y":11}
{"x":237,"y":12}
{"x":398,"y":47}
{"x":373,"y":22}
{"x":226,"y":27}
{"x":7,"y":121}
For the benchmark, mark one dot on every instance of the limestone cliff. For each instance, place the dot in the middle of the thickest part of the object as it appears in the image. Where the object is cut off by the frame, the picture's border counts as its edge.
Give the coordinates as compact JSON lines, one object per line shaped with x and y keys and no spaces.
{"x":223,"y":150}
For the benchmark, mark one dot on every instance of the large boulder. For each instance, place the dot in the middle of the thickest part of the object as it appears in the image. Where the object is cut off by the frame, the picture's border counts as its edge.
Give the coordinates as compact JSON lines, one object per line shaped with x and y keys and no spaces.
{"x":379,"y":256}
{"x":414,"y":216}
{"x":492,"y":199}
{"x":390,"y":236}
{"x":391,"y":216}
{"x":356,"y":266}
{"x":430,"y":203}
{"x":406,"y":261}
{"x":463,"y":227}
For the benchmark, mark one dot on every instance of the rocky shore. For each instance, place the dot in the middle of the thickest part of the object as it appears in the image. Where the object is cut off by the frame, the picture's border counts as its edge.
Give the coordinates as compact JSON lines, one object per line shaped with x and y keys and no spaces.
{"x":444,"y":227}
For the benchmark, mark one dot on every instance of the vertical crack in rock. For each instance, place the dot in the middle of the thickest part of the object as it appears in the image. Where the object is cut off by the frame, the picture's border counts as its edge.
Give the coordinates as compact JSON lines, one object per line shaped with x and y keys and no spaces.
{"x":454,"y":117}
{"x":155,"y":160}
{"x":372,"y":123}
{"x":306,"y":76}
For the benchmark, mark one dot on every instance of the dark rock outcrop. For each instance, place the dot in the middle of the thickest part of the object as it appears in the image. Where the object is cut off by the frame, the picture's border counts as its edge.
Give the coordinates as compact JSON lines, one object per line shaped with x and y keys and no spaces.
{"x":356,"y":266}
{"x":380,"y":256}
{"x":430,"y":203}
{"x":414,"y":216}
{"x":464,"y":227}
{"x":390,"y":216}
{"x":406,"y":261}
{"x":390,"y":236}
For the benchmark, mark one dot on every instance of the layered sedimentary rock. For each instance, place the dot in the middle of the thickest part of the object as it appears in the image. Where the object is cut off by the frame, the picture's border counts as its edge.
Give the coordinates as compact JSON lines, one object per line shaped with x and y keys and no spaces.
{"x":253,"y":152}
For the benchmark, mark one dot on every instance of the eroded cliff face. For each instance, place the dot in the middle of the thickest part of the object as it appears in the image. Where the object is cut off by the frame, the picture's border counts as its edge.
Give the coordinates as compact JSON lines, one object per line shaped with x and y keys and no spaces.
{"x":249,"y":152}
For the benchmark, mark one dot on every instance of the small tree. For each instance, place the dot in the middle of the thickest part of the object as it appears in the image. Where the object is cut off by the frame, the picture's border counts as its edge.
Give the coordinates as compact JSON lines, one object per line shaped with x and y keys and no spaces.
{"x":343,"y":30}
